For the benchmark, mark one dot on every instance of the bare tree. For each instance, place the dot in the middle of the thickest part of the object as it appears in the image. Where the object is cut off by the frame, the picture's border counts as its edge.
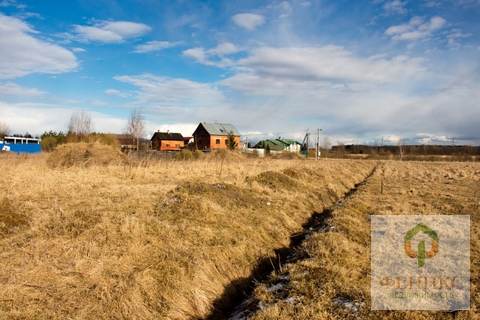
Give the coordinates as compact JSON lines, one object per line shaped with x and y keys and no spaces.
{"x":80,"y":124}
{"x":401,"y":148}
{"x":340,"y":149}
{"x":4,"y":130}
{"x":326,"y":146}
{"x":136,"y":125}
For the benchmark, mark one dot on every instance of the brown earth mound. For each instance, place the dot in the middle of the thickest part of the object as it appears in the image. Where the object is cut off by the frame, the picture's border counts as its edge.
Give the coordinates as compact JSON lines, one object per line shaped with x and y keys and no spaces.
{"x":276,"y":180}
{"x":86,"y":155}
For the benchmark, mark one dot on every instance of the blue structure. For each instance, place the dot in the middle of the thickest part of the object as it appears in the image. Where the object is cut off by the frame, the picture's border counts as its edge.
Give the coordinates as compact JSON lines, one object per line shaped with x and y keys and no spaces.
{"x":20,"y":145}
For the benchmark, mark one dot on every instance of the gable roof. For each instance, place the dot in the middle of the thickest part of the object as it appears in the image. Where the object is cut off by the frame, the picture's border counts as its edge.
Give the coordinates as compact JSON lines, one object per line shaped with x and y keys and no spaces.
{"x":288,"y":142}
{"x":218,"y":129}
{"x":276,"y":144}
{"x":167,"y":136}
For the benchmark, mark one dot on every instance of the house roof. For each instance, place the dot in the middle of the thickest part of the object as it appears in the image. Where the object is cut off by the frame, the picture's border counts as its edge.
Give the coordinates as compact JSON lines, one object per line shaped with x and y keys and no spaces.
{"x":289,"y":141}
{"x":276,"y":144}
{"x":167,"y":136}
{"x":218,"y":129}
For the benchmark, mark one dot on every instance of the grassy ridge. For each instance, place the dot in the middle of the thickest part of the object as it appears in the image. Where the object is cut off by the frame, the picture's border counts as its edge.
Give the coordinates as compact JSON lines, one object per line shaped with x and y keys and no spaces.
{"x":334,"y":280}
{"x":149,"y":240}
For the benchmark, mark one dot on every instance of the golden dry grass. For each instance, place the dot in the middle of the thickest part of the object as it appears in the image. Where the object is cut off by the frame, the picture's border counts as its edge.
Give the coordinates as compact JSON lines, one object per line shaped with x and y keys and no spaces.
{"x":148,"y":240}
{"x":334,"y":280}
{"x":85,"y":155}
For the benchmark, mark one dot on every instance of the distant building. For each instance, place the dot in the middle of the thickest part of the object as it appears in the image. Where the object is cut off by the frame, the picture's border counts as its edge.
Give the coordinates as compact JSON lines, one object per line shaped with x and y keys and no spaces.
{"x":214,"y":135}
{"x":280,"y":144}
{"x":127,"y":141}
{"x":20,"y":144}
{"x":167,"y":141}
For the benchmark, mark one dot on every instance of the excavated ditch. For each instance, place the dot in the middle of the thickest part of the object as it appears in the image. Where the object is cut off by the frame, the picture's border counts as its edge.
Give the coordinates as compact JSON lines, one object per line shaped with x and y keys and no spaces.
{"x":235,"y":302}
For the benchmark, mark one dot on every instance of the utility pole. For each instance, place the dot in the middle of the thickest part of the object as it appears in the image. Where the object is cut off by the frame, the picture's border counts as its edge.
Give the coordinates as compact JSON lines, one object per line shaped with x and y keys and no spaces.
{"x":306,"y":155}
{"x":317,"y":142}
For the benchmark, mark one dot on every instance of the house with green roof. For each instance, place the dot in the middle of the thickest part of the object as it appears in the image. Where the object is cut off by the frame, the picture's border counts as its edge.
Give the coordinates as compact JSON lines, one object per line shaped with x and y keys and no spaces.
{"x":280,"y":144}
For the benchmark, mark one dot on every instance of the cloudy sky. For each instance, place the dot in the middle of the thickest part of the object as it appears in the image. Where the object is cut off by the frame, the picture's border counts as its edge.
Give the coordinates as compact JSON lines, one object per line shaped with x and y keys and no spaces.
{"x":359,"y":70}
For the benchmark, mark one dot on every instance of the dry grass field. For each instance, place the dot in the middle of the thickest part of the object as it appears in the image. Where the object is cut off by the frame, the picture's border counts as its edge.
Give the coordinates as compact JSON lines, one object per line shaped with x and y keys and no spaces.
{"x":88,"y":234}
{"x":330,"y":279}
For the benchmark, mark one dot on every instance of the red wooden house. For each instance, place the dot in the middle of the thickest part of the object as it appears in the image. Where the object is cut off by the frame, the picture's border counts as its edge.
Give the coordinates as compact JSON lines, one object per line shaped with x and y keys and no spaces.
{"x":214,"y":135}
{"x":167,"y":141}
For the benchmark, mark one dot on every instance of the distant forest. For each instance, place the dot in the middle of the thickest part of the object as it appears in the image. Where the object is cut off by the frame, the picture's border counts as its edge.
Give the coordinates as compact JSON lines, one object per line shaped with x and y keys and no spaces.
{"x":409,"y":149}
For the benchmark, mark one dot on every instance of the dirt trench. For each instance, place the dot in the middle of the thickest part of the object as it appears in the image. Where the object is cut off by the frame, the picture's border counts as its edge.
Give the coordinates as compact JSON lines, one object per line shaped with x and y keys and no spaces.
{"x":236,"y":302}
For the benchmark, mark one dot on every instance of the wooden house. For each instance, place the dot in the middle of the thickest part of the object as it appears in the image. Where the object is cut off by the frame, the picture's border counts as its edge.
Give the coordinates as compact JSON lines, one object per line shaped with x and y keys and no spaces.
{"x":167,"y":141}
{"x":127,"y":142}
{"x":212,"y":136}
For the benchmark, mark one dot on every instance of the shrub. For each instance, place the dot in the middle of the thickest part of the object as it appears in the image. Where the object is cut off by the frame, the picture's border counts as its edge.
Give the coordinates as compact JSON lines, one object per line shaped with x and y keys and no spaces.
{"x":48,"y":143}
{"x":185,"y":154}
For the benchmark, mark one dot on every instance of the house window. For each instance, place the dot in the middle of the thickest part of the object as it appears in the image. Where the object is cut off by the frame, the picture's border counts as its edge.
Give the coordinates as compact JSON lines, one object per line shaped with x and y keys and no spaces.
{"x":217,"y":141}
{"x":226,"y":142}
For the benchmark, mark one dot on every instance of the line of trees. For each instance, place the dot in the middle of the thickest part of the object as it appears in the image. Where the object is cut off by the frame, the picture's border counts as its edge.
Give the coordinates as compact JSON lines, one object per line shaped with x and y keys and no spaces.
{"x":404,"y":150}
{"x":80,"y":128}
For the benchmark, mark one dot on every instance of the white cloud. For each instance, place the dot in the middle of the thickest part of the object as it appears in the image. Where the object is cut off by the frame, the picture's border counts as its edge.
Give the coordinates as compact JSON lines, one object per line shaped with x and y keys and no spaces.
{"x":415,"y":29}
{"x":177,"y":100}
{"x":213,"y":57}
{"x":51,"y":117}
{"x":395,"y":6}
{"x":195,"y":53}
{"x":279,"y":70}
{"x":248,"y":21}
{"x":435,"y":23}
{"x":224,"y":49}
{"x":13,"y":3}
{"x":286,"y":8}
{"x":110,"y":31}
{"x":186,"y":129}
{"x":22,"y":53}
{"x":153,"y":88}
{"x":114,"y":92}
{"x":10,"y":89}
{"x":79,"y":50}
{"x":433,"y":3}
{"x":155,"y":46}
{"x":455,"y":35}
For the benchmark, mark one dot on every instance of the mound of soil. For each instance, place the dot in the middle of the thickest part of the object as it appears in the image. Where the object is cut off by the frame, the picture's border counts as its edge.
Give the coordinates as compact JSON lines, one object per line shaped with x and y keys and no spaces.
{"x":276,"y":180}
{"x":86,"y":155}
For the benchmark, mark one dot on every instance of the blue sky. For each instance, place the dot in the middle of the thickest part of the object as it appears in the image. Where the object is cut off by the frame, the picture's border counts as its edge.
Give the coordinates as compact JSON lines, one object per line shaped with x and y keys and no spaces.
{"x":359,"y":70}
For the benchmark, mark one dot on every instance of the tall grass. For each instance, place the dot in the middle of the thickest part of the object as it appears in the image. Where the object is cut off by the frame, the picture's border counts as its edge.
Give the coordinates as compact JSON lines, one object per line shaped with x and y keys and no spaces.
{"x":149,"y":239}
{"x":334,"y":280}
